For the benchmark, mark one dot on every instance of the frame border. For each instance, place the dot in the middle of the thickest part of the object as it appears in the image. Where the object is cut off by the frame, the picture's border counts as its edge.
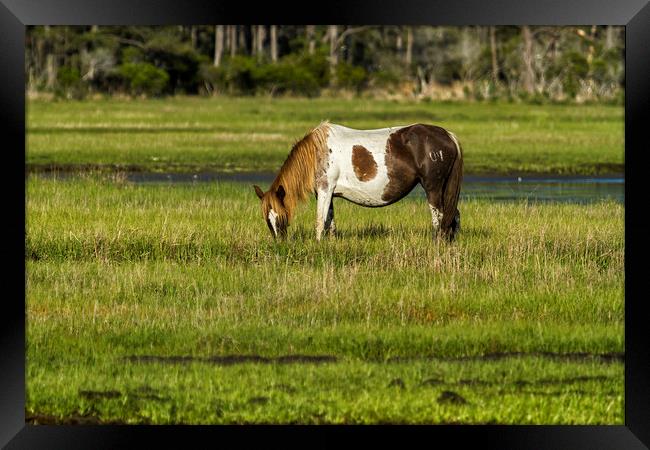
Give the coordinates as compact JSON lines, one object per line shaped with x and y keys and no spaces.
{"x":634,"y":14}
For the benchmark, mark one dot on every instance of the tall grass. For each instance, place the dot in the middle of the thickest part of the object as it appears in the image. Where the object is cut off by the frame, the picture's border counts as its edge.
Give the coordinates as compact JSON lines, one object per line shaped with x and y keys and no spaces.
{"x":116,"y":269}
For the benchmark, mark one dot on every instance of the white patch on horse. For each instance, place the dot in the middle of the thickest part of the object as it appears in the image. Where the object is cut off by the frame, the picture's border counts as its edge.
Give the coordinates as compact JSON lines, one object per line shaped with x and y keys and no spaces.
{"x":436,"y":218}
{"x":272,"y":218}
{"x":340,"y":172}
{"x":455,"y":139}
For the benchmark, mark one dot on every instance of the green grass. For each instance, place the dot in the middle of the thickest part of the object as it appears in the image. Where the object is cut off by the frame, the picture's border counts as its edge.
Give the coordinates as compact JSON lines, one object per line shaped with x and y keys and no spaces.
{"x":116,"y":270}
{"x":187,"y":134}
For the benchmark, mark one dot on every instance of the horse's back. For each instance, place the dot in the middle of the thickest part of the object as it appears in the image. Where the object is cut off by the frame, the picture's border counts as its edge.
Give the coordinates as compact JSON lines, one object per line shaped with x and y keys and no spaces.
{"x":380,"y":166}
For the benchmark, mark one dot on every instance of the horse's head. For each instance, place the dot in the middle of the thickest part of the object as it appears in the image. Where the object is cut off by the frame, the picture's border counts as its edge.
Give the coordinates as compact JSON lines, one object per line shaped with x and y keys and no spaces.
{"x":273,"y":210}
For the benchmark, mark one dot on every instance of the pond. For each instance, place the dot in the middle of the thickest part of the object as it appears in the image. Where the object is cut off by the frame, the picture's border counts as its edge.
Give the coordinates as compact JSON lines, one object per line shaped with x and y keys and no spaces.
{"x":574,"y":189}
{"x":538,"y":188}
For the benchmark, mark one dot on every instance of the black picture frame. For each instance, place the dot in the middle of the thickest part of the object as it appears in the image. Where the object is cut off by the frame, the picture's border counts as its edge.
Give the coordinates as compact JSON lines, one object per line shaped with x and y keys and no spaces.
{"x":16,"y":14}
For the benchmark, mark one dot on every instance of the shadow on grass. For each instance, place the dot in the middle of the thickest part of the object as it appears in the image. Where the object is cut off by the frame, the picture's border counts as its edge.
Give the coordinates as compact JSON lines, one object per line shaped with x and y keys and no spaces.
{"x":72,"y":419}
{"x":371,"y":231}
{"x":305,"y":234}
{"x":229,"y":360}
{"x":602,"y":357}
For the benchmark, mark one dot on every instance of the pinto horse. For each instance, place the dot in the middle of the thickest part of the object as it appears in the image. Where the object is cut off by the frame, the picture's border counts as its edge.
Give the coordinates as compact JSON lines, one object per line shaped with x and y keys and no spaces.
{"x":371,"y":168}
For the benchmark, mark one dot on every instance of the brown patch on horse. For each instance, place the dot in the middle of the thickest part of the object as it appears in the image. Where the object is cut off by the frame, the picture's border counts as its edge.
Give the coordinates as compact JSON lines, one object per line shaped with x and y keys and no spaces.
{"x":322,"y":164}
{"x":425,"y":154}
{"x":401,"y":167}
{"x":365,"y":166}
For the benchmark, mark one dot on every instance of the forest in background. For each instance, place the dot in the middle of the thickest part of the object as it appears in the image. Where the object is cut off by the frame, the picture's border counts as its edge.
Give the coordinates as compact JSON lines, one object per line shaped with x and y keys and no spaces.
{"x":529,"y":63}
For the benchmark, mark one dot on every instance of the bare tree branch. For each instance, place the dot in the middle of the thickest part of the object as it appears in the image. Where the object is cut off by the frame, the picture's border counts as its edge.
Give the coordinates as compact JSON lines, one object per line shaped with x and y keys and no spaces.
{"x":130,"y":42}
{"x":348,"y":32}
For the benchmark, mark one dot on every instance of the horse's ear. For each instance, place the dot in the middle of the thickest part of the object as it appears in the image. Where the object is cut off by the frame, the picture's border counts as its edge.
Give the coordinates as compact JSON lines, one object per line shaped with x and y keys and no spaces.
{"x":280,"y":192}
{"x":258,"y":191}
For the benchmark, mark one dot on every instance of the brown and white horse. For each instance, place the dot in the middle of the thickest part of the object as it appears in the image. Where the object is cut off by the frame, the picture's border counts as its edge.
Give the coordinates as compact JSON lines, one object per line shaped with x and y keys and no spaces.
{"x":370,"y":168}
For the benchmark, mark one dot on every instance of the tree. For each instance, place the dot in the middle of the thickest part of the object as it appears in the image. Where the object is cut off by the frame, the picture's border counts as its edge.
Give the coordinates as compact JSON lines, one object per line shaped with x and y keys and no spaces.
{"x":51,"y":59}
{"x":609,"y":41}
{"x":218,"y":44}
{"x":233,"y":39}
{"x":274,"y":43}
{"x":311,"y":32}
{"x":557,"y":62}
{"x":493,"y":54}
{"x":527,"y":58}
{"x":409,"y":46}
{"x":332,"y":32}
{"x":261,"y":35}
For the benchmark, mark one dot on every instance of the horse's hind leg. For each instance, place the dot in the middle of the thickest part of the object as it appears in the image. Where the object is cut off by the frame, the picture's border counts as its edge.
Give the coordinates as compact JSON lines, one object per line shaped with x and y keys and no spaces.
{"x":454,"y":228}
{"x":434,"y":198}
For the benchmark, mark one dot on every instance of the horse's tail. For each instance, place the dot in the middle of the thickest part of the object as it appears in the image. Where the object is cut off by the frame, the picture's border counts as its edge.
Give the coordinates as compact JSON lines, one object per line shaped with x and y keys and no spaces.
{"x":451,"y":190}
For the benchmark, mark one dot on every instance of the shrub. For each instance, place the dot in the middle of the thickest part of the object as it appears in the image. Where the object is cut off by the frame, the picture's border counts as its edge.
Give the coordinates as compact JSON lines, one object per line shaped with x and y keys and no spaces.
{"x":212,"y":78}
{"x":144,"y":78}
{"x":132,"y":55}
{"x":287,"y":76}
{"x":388,"y":77}
{"x":68,"y":76}
{"x":239,"y":75}
{"x":69,"y":83}
{"x":349,"y":76}
{"x":179,"y":61}
{"x":303,"y":75}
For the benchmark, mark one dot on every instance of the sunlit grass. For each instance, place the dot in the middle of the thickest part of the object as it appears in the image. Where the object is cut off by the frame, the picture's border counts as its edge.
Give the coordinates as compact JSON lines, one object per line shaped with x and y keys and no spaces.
{"x":116,"y":269}
{"x":257,"y":133}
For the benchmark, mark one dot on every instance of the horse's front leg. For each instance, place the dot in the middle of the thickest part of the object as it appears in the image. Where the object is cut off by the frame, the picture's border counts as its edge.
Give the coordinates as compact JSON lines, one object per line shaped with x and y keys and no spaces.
{"x":323,"y":210}
{"x":330,"y":226}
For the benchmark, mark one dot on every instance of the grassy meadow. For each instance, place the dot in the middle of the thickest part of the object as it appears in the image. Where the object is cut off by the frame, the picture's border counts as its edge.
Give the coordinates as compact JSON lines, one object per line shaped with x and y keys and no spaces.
{"x":144,"y":302}
{"x":170,"y":303}
{"x":187,"y":134}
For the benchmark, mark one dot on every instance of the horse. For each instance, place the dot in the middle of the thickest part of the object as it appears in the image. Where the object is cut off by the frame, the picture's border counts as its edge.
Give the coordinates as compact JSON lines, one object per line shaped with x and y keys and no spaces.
{"x":372,"y":168}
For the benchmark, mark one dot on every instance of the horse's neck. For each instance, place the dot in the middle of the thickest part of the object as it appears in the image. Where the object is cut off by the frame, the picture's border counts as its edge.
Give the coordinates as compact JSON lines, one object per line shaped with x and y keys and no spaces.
{"x":297,"y":177}
{"x":298,"y":172}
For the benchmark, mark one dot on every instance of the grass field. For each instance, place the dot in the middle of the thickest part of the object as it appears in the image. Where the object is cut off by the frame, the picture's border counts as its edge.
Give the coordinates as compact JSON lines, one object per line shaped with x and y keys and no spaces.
{"x":171,"y":304}
{"x":189,"y":134}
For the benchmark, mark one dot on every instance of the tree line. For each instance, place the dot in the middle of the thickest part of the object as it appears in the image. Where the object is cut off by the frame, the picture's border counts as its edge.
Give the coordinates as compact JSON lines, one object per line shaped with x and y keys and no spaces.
{"x":527,"y":62}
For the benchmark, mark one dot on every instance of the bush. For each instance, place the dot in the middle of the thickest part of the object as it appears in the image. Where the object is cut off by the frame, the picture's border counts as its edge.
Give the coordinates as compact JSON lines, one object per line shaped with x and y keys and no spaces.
{"x":69,"y":83}
{"x":302,"y":75}
{"x":575,"y":69}
{"x":296,"y":74}
{"x":179,"y":61}
{"x":211,"y":77}
{"x":349,"y":76}
{"x":283,"y":77}
{"x":144,"y":78}
{"x":132,"y":55}
{"x":68,"y":76}
{"x":387,"y":78}
{"x":238,"y":75}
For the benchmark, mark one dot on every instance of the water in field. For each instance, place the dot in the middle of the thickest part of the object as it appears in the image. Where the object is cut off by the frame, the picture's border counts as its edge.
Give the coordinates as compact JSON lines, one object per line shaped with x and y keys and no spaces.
{"x":546,"y":189}
{"x":573,"y":189}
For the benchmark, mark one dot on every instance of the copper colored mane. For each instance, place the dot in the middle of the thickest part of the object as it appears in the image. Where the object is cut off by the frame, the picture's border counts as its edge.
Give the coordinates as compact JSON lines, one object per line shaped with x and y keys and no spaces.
{"x":297,"y":174}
